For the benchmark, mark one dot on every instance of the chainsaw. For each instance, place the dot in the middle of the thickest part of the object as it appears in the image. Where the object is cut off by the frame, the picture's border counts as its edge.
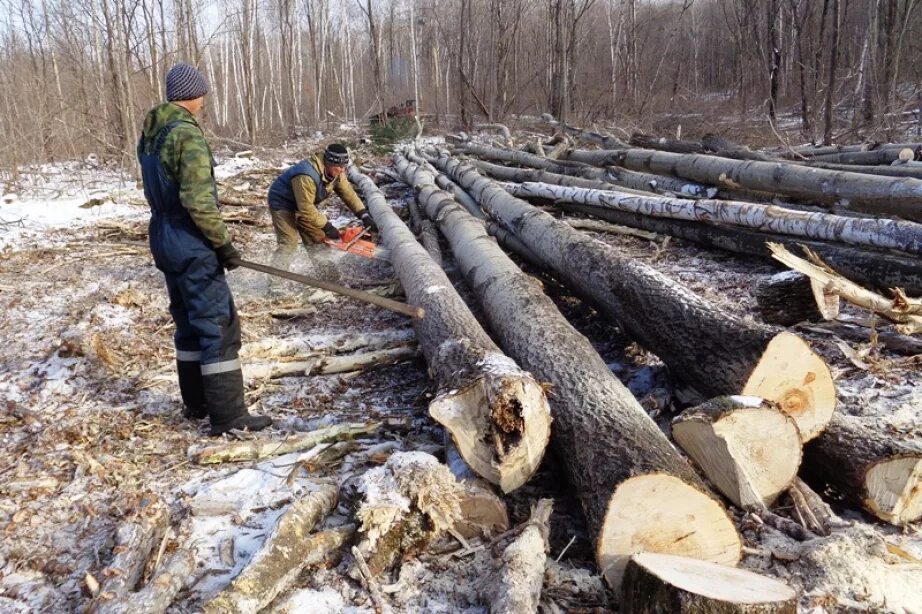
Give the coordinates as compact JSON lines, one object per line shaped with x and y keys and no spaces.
{"x":350,"y":240}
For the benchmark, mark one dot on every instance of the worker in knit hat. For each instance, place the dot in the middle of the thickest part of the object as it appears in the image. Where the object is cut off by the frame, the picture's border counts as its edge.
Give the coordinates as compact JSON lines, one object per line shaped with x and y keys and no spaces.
{"x":191,"y":246}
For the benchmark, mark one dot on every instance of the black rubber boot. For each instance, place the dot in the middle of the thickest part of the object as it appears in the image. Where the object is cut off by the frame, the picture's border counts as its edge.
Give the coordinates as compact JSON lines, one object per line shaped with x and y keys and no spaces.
{"x":191,"y":389}
{"x":224,"y":400}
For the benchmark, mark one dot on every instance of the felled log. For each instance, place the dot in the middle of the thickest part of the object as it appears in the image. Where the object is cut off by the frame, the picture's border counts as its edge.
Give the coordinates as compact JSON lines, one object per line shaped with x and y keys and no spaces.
{"x":256,"y":449}
{"x":678,"y":585}
{"x":861,"y":332}
{"x":496,"y":412}
{"x":519,"y":175}
{"x":178,"y":572}
{"x":135,"y":537}
{"x":748,"y":448}
{"x":517,"y":588}
{"x":328,"y":365}
{"x":859,"y":231}
{"x":877,"y":194}
{"x":789,"y":298}
{"x":713,"y":352}
{"x":502,"y":128}
{"x":878,"y":156}
{"x":869,"y":467}
{"x":890,"y":171}
{"x":645,"y":182}
{"x":900,"y":309}
{"x":622,"y":468}
{"x":710,"y":143}
{"x":878,"y":269}
{"x":287,"y":551}
{"x":428,"y":233}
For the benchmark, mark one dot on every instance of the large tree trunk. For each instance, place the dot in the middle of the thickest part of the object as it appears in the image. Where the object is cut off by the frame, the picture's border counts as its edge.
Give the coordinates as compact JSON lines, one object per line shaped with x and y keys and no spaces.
{"x":878,"y":269}
{"x":860,"y":231}
{"x":913,"y":170}
{"x":892,"y":196}
{"x":709,"y":349}
{"x":624,"y":471}
{"x":869,"y":467}
{"x":663,"y":583}
{"x":497,"y":414}
{"x":878,"y":156}
{"x":709,"y":144}
{"x":645,"y":182}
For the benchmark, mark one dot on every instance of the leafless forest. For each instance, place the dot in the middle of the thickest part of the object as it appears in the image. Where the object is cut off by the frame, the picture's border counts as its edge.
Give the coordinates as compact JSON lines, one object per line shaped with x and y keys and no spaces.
{"x":78,"y":74}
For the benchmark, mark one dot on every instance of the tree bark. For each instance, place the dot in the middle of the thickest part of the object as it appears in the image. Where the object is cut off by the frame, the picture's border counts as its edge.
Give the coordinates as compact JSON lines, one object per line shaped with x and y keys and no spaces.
{"x":606,"y":141}
{"x":286,"y":552}
{"x":662,"y":583}
{"x":896,"y":196}
{"x":869,"y":467}
{"x":497,"y":414}
{"x":712,"y":351}
{"x":161,"y":591}
{"x":748,"y":448}
{"x":913,"y":171}
{"x":621,"y":466}
{"x":859,"y":231}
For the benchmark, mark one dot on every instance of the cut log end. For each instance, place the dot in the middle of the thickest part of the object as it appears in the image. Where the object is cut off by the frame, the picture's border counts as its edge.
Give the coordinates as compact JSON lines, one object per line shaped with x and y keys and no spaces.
{"x":749,"y":449}
{"x":661,"y":513}
{"x":501,"y":426}
{"x":798,"y":380}
{"x":893,"y":489}
{"x":666,"y":583}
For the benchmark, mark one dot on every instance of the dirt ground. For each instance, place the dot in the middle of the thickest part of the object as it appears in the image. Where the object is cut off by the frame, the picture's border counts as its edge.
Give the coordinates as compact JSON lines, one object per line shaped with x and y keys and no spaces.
{"x":90,"y":425}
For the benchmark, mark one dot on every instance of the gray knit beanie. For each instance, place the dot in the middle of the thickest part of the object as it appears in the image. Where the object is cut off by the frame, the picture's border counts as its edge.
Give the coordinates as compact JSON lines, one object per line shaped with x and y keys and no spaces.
{"x":184,"y":82}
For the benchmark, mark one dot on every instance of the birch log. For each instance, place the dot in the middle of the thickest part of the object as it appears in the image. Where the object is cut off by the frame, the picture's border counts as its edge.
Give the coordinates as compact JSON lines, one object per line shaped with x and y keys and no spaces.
{"x":711,"y":350}
{"x":285,"y":553}
{"x":518,"y":586}
{"x":645,"y":182}
{"x":870,"y":467}
{"x":637,"y":492}
{"x":497,"y":413}
{"x":878,"y":269}
{"x":859,"y":231}
{"x":887,"y":195}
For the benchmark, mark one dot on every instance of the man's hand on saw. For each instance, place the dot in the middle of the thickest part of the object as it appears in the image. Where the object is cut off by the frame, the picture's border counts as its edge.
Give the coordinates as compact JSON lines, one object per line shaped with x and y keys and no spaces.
{"x":367,"y":222}
{"x":331,"y":232}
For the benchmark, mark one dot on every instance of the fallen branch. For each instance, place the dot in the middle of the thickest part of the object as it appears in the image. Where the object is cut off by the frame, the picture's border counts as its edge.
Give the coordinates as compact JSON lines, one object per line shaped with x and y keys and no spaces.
{"x":159,"y":594}
{"x":518,"y":585}
{"x":287,"y":551}
{"x":899,"y":310}
{"x":134,"y":540}
{"x":257,"y":449}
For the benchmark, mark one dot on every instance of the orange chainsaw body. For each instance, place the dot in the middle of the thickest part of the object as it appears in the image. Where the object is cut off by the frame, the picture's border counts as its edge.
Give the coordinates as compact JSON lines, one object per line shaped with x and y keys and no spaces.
{"x":348,"y":243}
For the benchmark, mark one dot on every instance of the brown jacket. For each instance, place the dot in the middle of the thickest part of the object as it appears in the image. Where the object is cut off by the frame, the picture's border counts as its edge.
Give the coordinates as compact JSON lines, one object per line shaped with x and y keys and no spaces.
{"x":308,"y":217}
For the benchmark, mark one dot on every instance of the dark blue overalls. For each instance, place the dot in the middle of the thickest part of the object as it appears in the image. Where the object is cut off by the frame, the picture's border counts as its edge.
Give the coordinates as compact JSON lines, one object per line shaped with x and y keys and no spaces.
{"x":207,"y":335}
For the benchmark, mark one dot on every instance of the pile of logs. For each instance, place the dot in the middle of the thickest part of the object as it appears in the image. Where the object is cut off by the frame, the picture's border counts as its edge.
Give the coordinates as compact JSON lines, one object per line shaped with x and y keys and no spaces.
{"x":760,"y":393}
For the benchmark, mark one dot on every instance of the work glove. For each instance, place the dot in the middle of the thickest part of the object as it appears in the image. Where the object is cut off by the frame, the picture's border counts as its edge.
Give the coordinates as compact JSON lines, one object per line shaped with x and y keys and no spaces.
{"x":331,"y":232}
{"x":228,"y":256}
{"x":367,"y":222}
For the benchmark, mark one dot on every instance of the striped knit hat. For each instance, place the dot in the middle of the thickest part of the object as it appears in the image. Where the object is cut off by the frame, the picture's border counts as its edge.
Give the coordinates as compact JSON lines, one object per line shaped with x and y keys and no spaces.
{"x":184,"y":82}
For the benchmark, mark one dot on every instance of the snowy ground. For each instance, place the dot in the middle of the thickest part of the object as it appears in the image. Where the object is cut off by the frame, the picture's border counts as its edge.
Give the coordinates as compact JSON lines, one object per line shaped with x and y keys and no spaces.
{"x":89,"y":421}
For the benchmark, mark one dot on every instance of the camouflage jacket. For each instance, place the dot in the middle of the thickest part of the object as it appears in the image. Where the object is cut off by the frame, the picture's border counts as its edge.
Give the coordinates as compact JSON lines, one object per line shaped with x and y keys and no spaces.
{"x":310,"y":220}
{"x":188,"y":163}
